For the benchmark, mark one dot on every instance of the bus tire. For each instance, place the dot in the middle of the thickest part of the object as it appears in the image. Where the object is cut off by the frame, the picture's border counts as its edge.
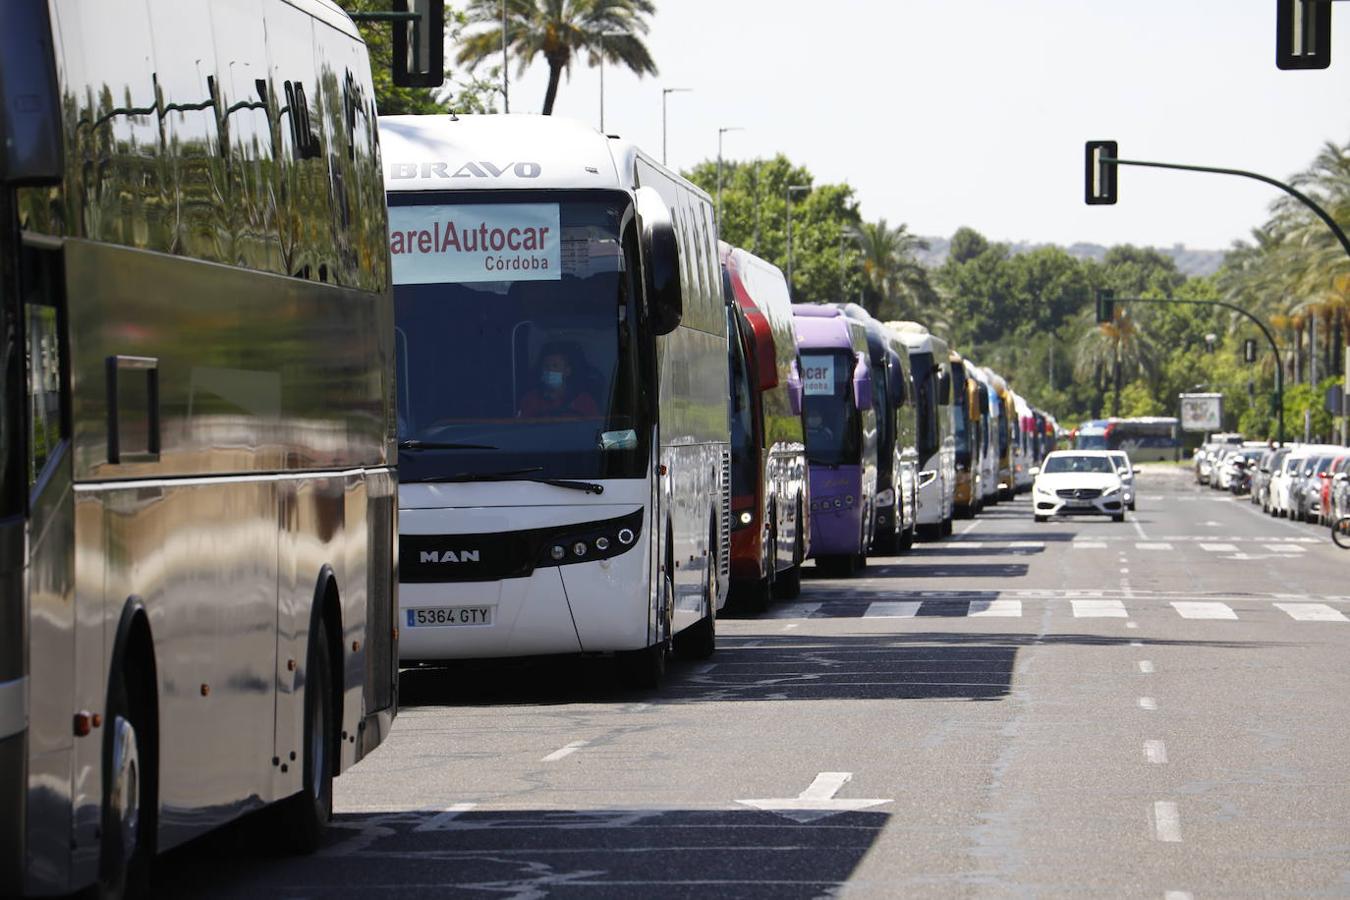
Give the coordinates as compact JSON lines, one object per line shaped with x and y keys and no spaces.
{"x":303,"y":817}
{"x":907,"y":539}
{"x":127,"y":848}
{"x":643,"y":669}
{"x":946,"y":527}
{"x":788,"y":584}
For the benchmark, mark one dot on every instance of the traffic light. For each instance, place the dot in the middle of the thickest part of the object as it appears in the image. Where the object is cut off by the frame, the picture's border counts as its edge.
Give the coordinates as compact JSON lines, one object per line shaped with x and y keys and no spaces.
{"x":1106,"y":307}
{"x":1303,"y":34}
{"x":1100,"y":177}
{"x":1249,"y":350}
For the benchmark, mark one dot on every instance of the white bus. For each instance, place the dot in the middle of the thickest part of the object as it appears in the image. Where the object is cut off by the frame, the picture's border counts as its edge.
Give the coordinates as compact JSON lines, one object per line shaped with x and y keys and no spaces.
{"x":930,"y":367}
{"x":197,"y":537}
{"x":563,"y":395}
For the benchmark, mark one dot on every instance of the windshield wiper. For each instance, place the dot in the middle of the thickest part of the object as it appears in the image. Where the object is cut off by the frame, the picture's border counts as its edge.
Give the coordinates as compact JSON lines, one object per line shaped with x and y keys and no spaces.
{"x":589,"y":487}
{"x":415,"y":444}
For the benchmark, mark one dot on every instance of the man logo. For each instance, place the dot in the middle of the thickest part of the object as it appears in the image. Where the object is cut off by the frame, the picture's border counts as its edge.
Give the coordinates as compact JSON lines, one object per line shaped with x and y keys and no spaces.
{"x":479,"y":169}
{"x":449,"y":556}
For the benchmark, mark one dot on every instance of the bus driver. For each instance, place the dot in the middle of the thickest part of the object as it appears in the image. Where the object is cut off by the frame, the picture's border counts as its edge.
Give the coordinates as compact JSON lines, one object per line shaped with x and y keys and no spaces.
{"x":558,"y":392}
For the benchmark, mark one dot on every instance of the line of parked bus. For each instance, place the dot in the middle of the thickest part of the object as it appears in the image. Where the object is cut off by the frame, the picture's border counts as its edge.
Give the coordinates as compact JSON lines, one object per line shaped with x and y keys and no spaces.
{"x":254,"y":457}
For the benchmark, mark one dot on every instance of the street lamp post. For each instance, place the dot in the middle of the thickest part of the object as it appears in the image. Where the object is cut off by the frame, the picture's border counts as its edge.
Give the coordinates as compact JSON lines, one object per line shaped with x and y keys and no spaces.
{"x":788,"y":192}
{"x":721,"y":131}
{"x":506,"y":88}
{"x":603,"y":35}
{"x":665,"y":93}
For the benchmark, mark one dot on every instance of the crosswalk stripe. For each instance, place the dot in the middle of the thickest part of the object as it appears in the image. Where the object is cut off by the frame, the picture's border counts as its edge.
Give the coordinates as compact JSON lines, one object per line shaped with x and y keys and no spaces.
{"x":1027,"y":545}
{"x":1002,"y":608}
{"x":1197,"y":610}
{"x":1285,"y":548}
{"x":893,"y":609}
{"x":1312,"y":612}
{"x":1219,"y":548}
{"x":1088,"y":545}
{"x":1159,"y":545}
{"x":1099,"y":609}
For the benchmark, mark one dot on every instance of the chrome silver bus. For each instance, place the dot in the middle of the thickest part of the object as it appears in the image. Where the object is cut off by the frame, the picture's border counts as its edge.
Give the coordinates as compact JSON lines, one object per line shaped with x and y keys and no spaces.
{"x":563,"y":395}
{"x":198,"y":530}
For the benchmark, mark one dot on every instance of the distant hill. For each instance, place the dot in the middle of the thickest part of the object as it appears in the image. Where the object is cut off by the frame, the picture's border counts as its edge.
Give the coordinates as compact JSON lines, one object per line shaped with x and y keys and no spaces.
{"x":1189,"y":261}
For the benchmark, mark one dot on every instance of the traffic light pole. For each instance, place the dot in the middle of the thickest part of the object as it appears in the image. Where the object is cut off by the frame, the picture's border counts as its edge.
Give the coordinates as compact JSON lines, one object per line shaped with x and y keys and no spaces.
{"x":1274,"y":347}
{"x":1242,"y":173}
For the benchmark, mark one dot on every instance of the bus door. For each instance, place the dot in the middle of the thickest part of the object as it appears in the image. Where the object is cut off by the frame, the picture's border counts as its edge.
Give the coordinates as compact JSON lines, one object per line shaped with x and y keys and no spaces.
{"x":54,"y":752}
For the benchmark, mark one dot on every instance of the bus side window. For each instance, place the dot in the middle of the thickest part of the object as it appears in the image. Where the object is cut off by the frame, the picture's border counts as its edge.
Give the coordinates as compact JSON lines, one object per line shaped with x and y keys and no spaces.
{"x":45,"y":355}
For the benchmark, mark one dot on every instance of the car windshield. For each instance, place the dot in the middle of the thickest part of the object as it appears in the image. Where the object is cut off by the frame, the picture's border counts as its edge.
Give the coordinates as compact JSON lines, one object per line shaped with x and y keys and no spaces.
{"x":833,"y":427}
{"x":1058,"y":465}
{"x":1122,"y":463}
{"x":523,"y":360}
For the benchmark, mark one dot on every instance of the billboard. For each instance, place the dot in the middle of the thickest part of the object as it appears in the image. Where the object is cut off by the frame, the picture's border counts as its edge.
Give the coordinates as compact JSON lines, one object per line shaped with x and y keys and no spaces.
{"x":1201,"y":412}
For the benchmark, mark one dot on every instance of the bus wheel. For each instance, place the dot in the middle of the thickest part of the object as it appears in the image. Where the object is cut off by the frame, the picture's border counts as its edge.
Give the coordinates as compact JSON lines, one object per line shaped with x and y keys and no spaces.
{"x":302,"y":818}
{"x":699,"y":640}
{"x":645,"y":669}
{"x":788,"y":585}
{"x":907,"y":538}
{"x":946,"y":527}
{"x":128,"y":801}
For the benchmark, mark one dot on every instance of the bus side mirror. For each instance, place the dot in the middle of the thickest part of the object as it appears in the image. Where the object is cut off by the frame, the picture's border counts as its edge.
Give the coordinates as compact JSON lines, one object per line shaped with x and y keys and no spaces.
{"x":944,"y":388}
{"x":766,"y":354}
{"x":419,"y":43}
{"x":660,"y":263}
{"x":30,"y":103}
{"x":862,"y":384}
{"x":794,"y":388}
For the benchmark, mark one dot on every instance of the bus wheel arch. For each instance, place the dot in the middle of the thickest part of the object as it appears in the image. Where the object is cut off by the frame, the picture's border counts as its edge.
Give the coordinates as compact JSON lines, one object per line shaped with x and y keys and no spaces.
{"x":130,"y":758}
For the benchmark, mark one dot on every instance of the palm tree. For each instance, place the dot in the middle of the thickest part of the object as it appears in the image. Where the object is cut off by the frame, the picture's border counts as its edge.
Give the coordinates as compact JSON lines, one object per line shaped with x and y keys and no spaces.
{"x":1118,"y":346}
{"x":560,"y":30}
{"x":892,"y":271}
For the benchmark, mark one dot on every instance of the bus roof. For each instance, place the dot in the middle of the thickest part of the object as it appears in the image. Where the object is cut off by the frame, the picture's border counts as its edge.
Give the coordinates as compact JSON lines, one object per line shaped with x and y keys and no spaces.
{"x":496,"y":152}
{"x":822,"y":328}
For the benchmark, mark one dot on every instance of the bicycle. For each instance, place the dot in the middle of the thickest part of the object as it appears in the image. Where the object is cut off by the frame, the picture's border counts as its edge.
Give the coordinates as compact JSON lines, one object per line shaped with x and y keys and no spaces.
{"x":1340,"y":532}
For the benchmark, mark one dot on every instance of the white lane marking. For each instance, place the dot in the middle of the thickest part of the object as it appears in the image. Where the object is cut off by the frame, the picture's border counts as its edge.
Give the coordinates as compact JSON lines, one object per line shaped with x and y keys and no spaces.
{"x":1192,"y":609}
{"x":1145,"y":667}
{"x":1136,"y":643}
{"x":1138,"y":529}
{"x":1156,"y":545}
{"x":1312,"y":612}
{"x":562,"y":752}
{"x":1027,"y":545}
{"x":1219,"y":548}
{"x":969,"y":528}
{"x":1124,"y":571}
{"x":639,"y":707}
{"x":1285,"y":548}
{"x":1131,"y":624}
{"x":1178,"y":895}
{"x":1167,"y":821}
{"x":996,"y":608}
{"x":439,"y":821}
{"x":892,"y":609}
{"x":967,"y":545}
{"x":817,"y":801}
{"x":1148,"y":703}
{"x":791,"y":625}
{"x":704,"y":669}
{"x":1098,"y":609}
{"x":1088,"y":545}
{"x":793,"y":611}
{"x":1155,"y":752}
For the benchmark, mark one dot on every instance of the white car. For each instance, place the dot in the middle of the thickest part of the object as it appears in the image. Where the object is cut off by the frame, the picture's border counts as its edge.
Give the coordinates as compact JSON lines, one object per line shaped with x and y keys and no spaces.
{"x":1126,"y":472}
{"x":1078,"y":482}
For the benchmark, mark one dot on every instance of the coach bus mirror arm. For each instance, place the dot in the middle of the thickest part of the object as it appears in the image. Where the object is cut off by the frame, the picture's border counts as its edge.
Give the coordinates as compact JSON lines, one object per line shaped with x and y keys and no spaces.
{"x":30,"y":100}
{"x":418,"y":58}
{"x":660,"y":263}
{"x":794,"y":388}
{"x":862,"y":384}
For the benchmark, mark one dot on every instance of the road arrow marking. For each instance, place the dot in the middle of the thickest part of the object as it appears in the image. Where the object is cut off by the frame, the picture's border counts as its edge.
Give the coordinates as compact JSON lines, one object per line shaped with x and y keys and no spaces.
{"x":817,"y":801}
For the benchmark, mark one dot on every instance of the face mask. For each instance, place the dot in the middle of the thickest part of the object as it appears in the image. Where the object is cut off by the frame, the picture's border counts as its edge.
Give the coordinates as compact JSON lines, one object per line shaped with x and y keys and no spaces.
{"x":552,"y":379}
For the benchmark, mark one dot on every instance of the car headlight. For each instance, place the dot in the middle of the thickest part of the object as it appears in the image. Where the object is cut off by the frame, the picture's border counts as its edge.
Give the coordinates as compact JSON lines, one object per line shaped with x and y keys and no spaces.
{"x":1040,"y":490}
{"x":1111,"y":492}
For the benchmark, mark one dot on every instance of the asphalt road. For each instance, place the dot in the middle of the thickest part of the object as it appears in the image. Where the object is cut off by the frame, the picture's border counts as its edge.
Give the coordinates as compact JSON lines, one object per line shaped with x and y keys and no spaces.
{"x":1150,"y":709}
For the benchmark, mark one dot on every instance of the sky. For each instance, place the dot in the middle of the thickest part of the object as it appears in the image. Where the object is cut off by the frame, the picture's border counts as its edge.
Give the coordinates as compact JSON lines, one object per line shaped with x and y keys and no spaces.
{"x":943,"y":113}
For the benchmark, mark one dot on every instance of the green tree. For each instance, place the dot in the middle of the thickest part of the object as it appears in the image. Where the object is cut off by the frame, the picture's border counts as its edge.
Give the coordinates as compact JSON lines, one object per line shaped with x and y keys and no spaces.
{"x":897,"y":284}
{"x":826,"y":260}
{"x":560,"y":31}
{"x":462,"y":92}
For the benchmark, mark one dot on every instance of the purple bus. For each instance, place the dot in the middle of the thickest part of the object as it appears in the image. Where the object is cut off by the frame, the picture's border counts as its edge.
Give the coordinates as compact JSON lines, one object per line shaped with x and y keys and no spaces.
{"x":841,"y":436}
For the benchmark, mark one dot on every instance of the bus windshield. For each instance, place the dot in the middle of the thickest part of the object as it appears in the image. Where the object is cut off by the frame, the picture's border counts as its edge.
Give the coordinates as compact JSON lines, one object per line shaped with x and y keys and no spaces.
{"x":833,"y":427}
{"x":925,"y":392}
{"x":961,"y":398}
{"x":534,"y":371}
{"x":745,"y":474}
{"x":11,"y":398}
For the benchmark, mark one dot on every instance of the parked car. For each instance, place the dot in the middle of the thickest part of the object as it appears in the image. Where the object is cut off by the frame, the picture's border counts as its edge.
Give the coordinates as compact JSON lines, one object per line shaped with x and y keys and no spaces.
{"x":1339,"y":465}
{"x":1281,"y":480}
{"x":1125,"y":470}
{"x":1340,"y":494}
{"x":1306,"y":490}
{"x":1202,"y":462}
{"x":1078,"y":482}
{"x":1261,"y":483}
{"x":1239,"y":466}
